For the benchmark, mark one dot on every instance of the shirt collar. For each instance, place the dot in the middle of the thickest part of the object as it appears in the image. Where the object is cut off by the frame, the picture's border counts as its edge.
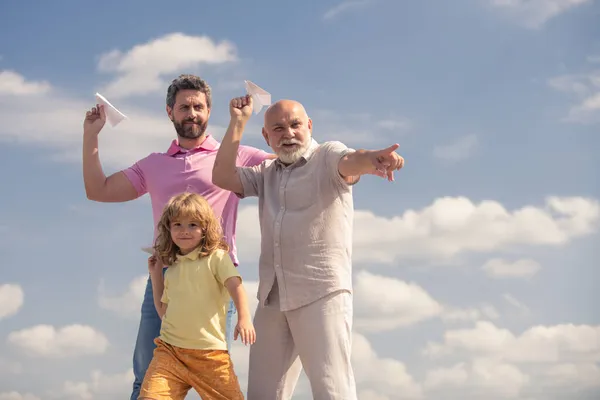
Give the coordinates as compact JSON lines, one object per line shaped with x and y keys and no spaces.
{"x":209,"y":144}
{"x":191,"y":256}
{"x":304,"y":158}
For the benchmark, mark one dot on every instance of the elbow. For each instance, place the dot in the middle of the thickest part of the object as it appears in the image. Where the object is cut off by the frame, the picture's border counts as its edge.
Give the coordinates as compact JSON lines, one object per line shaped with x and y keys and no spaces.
{"x":91,"y":195}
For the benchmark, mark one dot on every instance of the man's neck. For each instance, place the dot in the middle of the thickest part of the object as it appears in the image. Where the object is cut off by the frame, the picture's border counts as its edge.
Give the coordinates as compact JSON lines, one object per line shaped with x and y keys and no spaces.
{"x":189,"y":144}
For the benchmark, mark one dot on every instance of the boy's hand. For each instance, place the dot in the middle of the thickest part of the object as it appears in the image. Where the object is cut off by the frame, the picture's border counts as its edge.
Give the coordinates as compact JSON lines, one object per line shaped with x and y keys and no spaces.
{"x":245,"y":330}
{"x":154,"y":265}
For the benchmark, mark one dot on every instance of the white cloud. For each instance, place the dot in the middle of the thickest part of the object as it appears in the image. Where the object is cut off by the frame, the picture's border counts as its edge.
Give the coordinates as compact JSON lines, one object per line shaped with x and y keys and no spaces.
{"x":582,"y":375}
{"x":381,"y":376}
{"x":14,"y":84}
{"x":140,"y":70}
{"x":128,"y":303}
{"x":585,"y":88}
{"x":538,"y":344}
{"x":485,"y":311}
{"x":11,"y":299}
{"x":534,"y":14}
{"x":100,"y":387}
{"x":384,"y":303}
{"x":479,"y":379}
{"x":344,"y":7}
{"x":67,"y":341}
{"x":500,"y":268}
{"x":62,"y":118}
{"x":546,"y":360}
{"x":17,"y":396}
{"x":461,"y":149}
{"x":449,"y":228}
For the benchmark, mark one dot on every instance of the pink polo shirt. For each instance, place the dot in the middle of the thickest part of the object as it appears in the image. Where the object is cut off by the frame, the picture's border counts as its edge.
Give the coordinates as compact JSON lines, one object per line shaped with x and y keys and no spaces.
{"x":164,"y":175}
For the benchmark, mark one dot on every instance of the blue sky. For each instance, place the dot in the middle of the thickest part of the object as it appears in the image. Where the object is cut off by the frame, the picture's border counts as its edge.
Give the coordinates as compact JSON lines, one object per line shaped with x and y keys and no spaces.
{"x":475,"y":272}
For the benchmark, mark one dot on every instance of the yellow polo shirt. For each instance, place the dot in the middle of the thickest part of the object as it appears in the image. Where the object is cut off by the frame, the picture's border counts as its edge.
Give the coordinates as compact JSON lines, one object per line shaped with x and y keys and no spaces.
{"x":197,"y":301}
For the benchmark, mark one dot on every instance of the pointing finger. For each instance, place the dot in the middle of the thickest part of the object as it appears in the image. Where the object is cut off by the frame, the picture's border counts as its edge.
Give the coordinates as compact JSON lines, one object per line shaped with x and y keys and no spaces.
{"x":390,"y":149}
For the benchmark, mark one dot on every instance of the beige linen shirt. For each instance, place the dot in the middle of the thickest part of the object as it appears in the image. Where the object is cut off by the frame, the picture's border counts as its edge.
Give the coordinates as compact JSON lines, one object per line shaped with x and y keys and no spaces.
{"x":306,"y":215}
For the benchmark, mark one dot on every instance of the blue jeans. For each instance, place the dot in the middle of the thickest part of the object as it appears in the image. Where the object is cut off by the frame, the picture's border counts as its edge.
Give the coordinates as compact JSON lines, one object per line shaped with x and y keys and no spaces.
{"x":150,"y":329}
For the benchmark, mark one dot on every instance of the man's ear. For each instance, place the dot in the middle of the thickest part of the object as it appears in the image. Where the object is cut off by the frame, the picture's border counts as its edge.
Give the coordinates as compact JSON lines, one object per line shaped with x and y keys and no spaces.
{"x":310,"y":125}
{"x":169,"y":112}
{"x":264,"y":133}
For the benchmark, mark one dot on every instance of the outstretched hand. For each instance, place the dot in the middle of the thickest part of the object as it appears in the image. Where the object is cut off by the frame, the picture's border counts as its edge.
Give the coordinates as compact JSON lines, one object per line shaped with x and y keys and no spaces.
{"x":240,"y":108}
{"x":94,"y":120}
{"x":386,"y":161}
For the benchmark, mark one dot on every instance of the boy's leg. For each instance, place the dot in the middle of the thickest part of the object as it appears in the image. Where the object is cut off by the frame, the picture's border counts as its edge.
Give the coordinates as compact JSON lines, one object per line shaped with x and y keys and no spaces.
{"x":212,"y":375}
{"x":148,"y":330}
{"x":322,"y":332}
{"x":166,"y":378}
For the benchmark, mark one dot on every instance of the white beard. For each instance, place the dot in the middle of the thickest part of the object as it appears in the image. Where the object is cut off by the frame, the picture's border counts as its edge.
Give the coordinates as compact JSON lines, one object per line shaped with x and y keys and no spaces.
{"x":291,"y":157}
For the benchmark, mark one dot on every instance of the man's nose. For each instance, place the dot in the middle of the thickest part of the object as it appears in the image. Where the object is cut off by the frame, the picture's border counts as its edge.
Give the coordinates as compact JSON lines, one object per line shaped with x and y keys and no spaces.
{"x":289,"y":133}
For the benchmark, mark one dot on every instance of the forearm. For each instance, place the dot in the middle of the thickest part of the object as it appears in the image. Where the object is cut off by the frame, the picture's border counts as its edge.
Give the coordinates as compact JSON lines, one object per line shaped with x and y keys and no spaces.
{"x":224,"y":170}
{"x":238,"y":295}
{"x":158,"y":286}
{"x":356,"y":164}
{"x":93,"y":175}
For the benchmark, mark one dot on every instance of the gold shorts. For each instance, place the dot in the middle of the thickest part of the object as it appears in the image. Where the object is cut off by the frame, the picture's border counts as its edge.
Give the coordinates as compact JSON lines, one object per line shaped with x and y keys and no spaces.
{"x":173,"y":371}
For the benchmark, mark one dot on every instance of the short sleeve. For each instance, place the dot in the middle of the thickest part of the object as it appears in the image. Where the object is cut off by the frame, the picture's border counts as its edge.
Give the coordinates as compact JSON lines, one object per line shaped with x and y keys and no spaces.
{"x":136,"y":176}
{"x":333,"y":152}
{"x":252,"y":180}
{"x":165,"y":295}
{"x":223,"y":267}
{"x":251,"y":156}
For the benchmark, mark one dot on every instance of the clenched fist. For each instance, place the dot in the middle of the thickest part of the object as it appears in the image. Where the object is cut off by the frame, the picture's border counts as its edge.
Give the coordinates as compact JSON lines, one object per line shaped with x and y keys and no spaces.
{"x":94,"y":120}
{"x":240,"y":108}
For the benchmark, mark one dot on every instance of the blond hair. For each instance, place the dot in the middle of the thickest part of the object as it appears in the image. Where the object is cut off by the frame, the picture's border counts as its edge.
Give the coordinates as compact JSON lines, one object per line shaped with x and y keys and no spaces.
{"x":196,"y":208}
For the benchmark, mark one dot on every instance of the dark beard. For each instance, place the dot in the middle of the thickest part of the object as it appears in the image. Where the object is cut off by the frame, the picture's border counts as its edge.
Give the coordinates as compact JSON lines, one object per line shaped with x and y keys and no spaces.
{"x":190,"y":131}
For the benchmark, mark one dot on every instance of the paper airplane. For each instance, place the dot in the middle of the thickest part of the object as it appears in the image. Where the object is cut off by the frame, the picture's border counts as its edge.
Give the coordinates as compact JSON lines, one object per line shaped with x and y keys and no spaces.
{"x":113,"y":115}
{"x":148,"y":250}
{"x":260,"y":96}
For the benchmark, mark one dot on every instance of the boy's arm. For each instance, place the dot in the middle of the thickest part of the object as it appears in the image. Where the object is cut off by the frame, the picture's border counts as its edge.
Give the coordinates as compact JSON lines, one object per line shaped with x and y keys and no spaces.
{"x":158,"y":287}
{"x":238,"y":295}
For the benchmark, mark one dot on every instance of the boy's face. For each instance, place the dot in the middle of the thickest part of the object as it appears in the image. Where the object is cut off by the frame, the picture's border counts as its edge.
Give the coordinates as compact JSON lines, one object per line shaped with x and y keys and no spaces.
{"x":186,"y":234}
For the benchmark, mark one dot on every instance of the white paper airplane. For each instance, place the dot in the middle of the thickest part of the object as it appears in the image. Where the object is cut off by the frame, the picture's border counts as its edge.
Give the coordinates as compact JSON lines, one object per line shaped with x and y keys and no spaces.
{"x":148,"y":250}
{"x":113,"y":115}
{"x":260,"y":96}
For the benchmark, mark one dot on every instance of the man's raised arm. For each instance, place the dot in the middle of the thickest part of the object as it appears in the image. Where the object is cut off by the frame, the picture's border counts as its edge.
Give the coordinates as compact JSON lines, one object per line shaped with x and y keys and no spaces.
{"x":115,"y":188}
{"x":225,"y":173}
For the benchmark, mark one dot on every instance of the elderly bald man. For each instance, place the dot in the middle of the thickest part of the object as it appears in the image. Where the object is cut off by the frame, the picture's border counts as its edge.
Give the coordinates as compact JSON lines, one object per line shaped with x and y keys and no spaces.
{"x":304,"y":317}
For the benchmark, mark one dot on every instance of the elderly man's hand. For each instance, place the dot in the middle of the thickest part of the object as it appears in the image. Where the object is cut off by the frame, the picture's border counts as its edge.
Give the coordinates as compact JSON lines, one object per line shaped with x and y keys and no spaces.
{"x":240,"y":108}
{"x":386,"y":161}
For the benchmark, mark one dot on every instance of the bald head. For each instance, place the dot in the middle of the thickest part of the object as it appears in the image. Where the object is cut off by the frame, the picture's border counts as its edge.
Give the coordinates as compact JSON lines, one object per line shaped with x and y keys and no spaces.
{"x":287,"y":129}
{"x":284,"y":107}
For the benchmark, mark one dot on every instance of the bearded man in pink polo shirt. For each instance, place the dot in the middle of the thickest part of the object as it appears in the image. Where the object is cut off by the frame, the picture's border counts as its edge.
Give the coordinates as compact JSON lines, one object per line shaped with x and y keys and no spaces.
{"x":186,"y":166}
